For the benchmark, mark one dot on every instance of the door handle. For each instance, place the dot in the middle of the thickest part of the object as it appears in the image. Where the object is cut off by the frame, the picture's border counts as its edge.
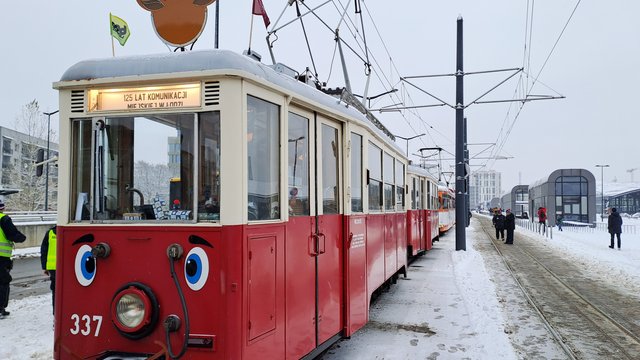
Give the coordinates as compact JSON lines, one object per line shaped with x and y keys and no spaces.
{"x":313,"y":245}
{"x":321,"y":245}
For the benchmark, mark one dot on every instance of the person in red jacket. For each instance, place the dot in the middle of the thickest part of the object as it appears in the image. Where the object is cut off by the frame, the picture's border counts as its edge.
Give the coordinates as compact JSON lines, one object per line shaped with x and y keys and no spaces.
{"x":542,"y":219}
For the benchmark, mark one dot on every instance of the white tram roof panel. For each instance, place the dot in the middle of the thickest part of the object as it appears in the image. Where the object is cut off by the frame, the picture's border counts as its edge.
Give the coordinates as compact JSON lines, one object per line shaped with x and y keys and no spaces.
{"x":213,"y":62}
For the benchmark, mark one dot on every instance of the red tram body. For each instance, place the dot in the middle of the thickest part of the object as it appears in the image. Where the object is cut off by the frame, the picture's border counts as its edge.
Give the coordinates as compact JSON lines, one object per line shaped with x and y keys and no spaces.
{"x":446,"y":209}
{"x":213,"y":268}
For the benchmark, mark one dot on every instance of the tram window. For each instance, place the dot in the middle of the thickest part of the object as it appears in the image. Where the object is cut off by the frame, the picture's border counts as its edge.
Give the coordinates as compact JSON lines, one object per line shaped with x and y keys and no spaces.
{"x":399,"y":185}
{"x":356,"y":173}
{"x":388,"y":170}
{"x":298,"y":167}
{"x":263,"y":159}
{"x":375,"y":178}
{"x":330,"y":153}
{"x":209,"y":173}
{"x":133,"y":160}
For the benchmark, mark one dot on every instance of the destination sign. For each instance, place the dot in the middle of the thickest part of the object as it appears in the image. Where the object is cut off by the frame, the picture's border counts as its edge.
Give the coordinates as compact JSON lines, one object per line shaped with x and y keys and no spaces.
{"x":149,"y":98}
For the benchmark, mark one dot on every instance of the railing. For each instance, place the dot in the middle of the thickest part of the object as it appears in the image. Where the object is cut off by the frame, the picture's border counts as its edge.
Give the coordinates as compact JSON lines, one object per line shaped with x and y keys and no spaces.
{"x":31,"y":216}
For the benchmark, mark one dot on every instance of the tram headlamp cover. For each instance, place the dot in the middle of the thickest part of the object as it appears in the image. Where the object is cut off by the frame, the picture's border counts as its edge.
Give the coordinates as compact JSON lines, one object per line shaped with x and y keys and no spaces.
{"x":131,"y":310}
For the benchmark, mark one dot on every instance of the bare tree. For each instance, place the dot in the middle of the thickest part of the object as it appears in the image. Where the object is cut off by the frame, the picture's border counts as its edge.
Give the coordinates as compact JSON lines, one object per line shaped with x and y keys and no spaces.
{"x":152,"y":179}
{"x":22,"y":175}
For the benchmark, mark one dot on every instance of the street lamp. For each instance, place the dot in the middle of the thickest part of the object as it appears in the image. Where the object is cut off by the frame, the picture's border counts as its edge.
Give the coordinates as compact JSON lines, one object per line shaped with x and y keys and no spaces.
{"x":602,"y":189}
{"x":407,"y":139}
{"x":46,"y":177}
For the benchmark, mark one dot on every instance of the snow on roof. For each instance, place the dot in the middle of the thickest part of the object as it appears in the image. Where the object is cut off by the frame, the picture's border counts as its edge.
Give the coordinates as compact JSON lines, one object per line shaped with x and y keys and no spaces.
{"x":211,"y":62}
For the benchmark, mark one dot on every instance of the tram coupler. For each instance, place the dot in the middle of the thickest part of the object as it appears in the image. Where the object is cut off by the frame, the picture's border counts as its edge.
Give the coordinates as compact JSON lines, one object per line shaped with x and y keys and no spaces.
{"x":175,"y":251}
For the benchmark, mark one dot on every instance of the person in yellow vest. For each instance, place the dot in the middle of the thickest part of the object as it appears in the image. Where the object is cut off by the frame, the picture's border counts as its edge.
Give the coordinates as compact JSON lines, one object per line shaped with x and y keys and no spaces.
{"x":48,"y":261}
{"x":8,"y":236}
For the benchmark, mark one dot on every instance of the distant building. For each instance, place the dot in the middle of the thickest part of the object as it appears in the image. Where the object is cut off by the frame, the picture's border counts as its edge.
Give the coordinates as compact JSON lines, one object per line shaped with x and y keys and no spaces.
{"x":484,"y":186}
{"x":625,"y":197}
{"x":571,"y":192}
{"x":18,"y":151}
{"x":517,"y":200}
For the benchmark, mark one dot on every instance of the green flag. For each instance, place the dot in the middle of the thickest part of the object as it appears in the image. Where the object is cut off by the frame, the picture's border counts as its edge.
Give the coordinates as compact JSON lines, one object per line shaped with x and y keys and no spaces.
{"x":119,"y":29}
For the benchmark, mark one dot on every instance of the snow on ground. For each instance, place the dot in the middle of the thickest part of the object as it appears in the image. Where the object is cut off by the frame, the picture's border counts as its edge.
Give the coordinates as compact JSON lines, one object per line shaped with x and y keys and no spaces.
{"x":452,"y":291}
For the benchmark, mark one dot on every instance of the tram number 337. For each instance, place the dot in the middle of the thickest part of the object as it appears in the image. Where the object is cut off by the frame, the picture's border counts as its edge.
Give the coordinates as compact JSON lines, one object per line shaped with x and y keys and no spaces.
{"x":82,"y":324}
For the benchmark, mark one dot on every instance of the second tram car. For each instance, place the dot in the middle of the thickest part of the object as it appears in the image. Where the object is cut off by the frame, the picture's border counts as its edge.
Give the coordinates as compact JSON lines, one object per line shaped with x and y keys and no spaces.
{"x":446,"y":209}
{"x":289,"y":211}
{"x":422,"y":216}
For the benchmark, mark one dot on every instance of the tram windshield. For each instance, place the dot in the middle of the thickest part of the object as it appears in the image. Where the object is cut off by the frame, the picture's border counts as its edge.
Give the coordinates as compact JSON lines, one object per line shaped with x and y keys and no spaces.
{"x":141,"y":168}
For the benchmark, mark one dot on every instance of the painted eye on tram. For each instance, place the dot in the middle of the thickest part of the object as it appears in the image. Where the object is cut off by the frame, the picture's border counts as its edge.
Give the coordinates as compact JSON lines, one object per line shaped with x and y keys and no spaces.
{"x":196,"y":268}
{"x":85,"y":266}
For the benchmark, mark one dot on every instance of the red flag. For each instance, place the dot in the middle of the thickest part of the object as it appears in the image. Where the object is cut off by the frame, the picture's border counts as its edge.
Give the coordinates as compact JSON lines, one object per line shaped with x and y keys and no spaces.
{"x":258,"y":9}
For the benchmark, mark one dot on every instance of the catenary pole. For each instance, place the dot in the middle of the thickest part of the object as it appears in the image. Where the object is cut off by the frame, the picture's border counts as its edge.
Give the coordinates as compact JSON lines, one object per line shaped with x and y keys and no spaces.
{"x":461,"y":220}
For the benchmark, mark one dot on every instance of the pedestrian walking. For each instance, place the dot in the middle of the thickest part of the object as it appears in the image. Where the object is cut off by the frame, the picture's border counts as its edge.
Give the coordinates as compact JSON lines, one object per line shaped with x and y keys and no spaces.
{"x":559,"y":219}
{"x":614,"y":223}
{"x":498,"y":223}
{"x":542,"y":220}
{"x":9,"y":235}
{"x":510,"y":226}
{"x":48,"y":261}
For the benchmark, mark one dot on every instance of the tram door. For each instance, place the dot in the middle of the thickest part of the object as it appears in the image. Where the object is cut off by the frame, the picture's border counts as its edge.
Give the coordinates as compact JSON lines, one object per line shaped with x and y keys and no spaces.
{"x":314,"y":233}
{"x":329,"y":228}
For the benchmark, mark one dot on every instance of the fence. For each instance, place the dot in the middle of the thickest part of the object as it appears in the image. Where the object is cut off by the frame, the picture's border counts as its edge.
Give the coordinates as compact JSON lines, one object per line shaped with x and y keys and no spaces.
{"x":573,"y":227}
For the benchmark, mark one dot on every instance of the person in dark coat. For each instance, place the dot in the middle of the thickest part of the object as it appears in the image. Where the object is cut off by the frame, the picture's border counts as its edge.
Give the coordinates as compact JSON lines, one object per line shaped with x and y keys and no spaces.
{"x":510,"y":226}
{"x":615,"y":226}
{"x":498,"y":223}
{"x":8,"y":237}
{"x":48,"y":261}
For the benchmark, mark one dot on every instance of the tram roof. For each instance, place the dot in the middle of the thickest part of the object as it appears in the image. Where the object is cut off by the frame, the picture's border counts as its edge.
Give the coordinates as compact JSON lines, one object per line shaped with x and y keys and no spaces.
{"x":211,"y":62}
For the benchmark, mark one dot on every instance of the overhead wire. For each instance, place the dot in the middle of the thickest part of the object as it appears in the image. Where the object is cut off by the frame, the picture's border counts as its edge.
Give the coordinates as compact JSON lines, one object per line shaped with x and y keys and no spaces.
{"x":535,"y":80}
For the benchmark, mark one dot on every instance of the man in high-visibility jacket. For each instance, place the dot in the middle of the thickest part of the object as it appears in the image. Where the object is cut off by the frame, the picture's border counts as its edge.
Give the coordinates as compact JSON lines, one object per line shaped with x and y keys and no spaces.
{"x":48,"y":261}
{"x":8,"y":236}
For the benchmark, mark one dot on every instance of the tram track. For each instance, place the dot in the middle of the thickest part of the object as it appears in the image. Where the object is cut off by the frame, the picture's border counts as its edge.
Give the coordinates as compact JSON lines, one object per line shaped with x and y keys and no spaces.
{"x":588,"y":319}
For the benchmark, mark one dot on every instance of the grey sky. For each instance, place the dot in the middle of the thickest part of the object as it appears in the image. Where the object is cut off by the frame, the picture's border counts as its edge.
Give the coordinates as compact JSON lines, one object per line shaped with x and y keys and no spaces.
{"x":594,"y":66}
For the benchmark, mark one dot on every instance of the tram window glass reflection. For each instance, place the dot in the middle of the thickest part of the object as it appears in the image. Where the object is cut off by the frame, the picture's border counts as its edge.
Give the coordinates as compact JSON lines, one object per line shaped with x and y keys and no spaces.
{"x":298,"y":167}
{"x":330,"y":153}
{"x":209,"y":172}
{"x":356,"y":173}
{"x":387,"y":170}
{"x":263,"y":159}
{"x":399,"y":185}
{"x":375,"y":178}
{"x":133,"y":164}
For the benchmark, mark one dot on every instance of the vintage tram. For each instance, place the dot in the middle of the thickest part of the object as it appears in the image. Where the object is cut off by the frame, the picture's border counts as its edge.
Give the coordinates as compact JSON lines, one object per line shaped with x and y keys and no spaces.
{"x":213,"y":207}
{"x":446,"y":208}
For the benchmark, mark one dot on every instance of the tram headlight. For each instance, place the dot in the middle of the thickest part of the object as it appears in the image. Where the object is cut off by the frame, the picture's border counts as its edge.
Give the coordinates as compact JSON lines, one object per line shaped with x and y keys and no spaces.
{"x":134,"y":311}
{"x":130,"y":311}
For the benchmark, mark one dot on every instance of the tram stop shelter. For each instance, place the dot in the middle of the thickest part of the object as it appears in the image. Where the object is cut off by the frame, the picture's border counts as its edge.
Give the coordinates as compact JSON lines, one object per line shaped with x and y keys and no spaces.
{"x":518,"y":201}
{"x":570,"y":192}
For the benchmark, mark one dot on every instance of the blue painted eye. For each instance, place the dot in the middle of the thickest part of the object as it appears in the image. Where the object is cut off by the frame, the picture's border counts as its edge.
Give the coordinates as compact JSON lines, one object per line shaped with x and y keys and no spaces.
{"x":196,"y":268}
{"x":85,"y":266}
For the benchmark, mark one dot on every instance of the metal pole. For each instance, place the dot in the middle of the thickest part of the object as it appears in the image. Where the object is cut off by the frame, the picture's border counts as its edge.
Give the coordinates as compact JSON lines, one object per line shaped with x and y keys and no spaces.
{"x":460,"y":168}
{"x":46,"y":177}
{"x":602,"y":166}
{"x":407,"y":140}
{"x":217,"y":22}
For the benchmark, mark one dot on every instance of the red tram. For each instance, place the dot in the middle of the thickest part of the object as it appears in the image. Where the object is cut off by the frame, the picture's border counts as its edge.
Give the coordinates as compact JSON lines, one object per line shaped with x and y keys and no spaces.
{"x":446,"y":209}
{"x":289,"y":211}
